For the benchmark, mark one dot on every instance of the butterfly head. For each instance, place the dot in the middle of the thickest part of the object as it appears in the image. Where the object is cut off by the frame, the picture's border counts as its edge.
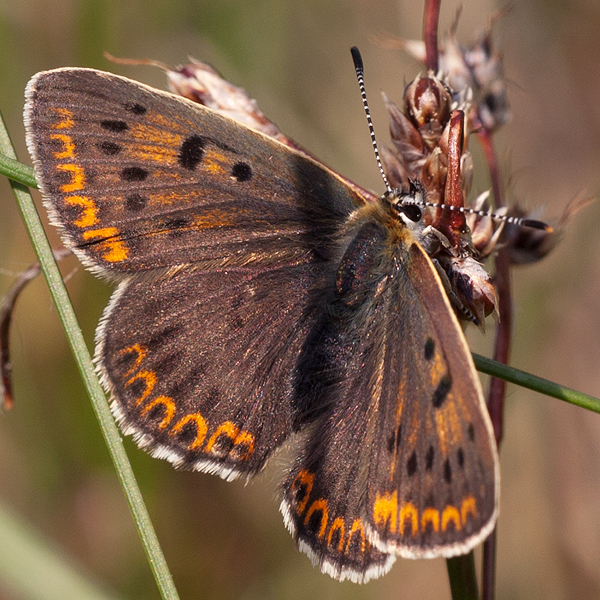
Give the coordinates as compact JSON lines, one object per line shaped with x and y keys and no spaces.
{"x":408,"y":204}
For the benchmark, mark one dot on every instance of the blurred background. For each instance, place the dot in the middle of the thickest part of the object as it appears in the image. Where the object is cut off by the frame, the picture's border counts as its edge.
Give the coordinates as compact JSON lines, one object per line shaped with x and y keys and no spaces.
{"x":226,"y":540}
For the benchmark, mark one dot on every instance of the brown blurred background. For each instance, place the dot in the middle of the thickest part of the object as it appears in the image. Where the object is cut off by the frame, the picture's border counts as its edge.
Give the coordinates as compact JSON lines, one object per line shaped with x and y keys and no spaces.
{"x":224,"y":540}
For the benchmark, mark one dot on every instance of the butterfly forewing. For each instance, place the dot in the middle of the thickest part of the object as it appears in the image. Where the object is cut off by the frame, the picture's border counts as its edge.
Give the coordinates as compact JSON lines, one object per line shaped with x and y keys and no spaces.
{"x":433,"y":486}
{"x":138,"y":179}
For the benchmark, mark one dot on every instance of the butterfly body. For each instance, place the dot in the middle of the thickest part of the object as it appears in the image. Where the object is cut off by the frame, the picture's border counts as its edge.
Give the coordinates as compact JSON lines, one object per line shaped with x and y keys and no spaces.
{"x":259,"y":294}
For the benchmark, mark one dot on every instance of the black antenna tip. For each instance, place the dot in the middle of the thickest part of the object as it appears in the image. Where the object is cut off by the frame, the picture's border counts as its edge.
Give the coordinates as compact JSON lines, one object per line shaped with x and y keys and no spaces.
{"x":537,"y":225}
{"x":357,"y":58}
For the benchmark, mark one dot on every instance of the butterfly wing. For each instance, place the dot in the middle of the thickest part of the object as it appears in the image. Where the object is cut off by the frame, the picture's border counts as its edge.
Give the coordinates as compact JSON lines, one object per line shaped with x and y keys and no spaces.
{"x":217,"y":235}
{"x":200,"y":364}
{"x":139,"y":179}
{"x":401,"y":459}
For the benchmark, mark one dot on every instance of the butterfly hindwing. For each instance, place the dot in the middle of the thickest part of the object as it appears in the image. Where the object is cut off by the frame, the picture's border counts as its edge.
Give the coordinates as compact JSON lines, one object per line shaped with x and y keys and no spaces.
{"x":200,"y":365}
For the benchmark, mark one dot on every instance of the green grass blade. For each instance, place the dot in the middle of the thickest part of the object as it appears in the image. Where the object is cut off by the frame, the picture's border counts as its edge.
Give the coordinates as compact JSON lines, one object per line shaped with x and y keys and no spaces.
{"x":17,"y":171}
{"x":30,"y":567}
{"x":84,"y":362}
{"x":532,"y":382}
{"x":22,"y":173}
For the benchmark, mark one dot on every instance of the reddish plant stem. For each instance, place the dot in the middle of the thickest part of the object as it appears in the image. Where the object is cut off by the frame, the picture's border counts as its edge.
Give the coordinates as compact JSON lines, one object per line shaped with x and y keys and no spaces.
{"x":7,"y":309}
{"x":497,"y":391}
{"x":503,"y":287}
{"x":430,"y":31}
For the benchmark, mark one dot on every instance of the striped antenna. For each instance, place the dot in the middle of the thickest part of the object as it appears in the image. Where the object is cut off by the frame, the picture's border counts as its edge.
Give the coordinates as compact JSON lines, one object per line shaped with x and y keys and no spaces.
{"x":360,"y":74}
{"x":523,"y":222}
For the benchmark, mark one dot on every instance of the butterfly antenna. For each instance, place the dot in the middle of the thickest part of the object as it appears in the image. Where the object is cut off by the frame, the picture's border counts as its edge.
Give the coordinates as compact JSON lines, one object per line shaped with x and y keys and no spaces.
{"x":360,"y":75}
{"x":521,"y":221}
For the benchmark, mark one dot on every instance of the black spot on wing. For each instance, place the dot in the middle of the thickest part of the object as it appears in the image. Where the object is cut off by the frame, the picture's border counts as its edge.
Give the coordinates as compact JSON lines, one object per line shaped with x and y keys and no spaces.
{"x":411,"y":465}
{"x":241,"y":172}
{"x":132,"y":174}
{"x":429,"y":458}
{"x":177,"y":225}
{"x":471,"y":432}
{"x":135,"y":202}
{"x":187,"y":434}
{"x":441,"y":392}
{"x":114,"y":126}
{"x":447,"y":471}
{"x":135,"y":108}
{"x":110,"y":148}
{"x":429,"y":349}
{"x":394,"y":439}
{"x":191,"y":152}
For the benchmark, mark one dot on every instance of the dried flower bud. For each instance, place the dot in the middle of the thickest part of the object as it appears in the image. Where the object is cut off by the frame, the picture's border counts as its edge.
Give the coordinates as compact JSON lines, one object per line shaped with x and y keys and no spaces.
{"x":394,"y":168}
{"x":473,"y":288}
{"x":487,"y":82}
{"x":427,"y":103}
{"x":404,"y":135}
{"x":477,"y":67}
{"x":525,"y":244}
{"x":485,"y":231}
{"x":200,"y":83}
{"x":453,"y":224}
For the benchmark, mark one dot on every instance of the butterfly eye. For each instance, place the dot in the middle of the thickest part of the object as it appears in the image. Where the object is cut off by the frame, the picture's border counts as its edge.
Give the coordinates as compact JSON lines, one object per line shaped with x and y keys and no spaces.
{"x":412,"y":211}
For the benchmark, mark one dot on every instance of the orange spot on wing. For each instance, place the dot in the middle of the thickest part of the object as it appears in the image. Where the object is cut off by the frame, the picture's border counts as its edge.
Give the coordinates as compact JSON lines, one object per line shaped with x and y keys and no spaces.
{"x":454,"y":421}
{"x":414,"y":431}
{"x":244,"y":438}
{"x":89,"y":214}
{"x":318,"y":505}
{"x":385,"y":511}
{"x":227,"y":428}
{"x":409,"y":513}
{"x":149,"y":378}
{"x":236,"y":435}
{"x":431,"y":515}
{"x":66,"y":119}
{"x":449,"y":424}
{"x":468,"y":506}
{"x":155,"y":140}
{"x":357,"y":529}
{"x":141,"y":354}
{"x":68,"y":146}
{"x":116,"y":250}
{"x":77,"y":178}
{"x":201,"y":429}
{"x":163,"y":122}
{"x":161,"y":154}
{"x":304,"y":478}
{"x":216,"y":163}
{"x":451,"y":515}
{"x":437,"y":368}
{"x":337,"y":525}
{"x":169,"y":408}
{"x":442,"y":431}
{"x":214,"y":218}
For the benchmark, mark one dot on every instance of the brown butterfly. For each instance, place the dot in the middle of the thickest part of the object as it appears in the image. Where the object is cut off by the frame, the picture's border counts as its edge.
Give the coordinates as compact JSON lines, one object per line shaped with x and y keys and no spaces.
{"x":260,"y":294}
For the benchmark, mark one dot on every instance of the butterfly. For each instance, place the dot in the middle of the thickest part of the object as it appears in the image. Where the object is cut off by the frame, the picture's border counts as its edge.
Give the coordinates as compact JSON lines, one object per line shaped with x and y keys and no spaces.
{"x":262,"y":298}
